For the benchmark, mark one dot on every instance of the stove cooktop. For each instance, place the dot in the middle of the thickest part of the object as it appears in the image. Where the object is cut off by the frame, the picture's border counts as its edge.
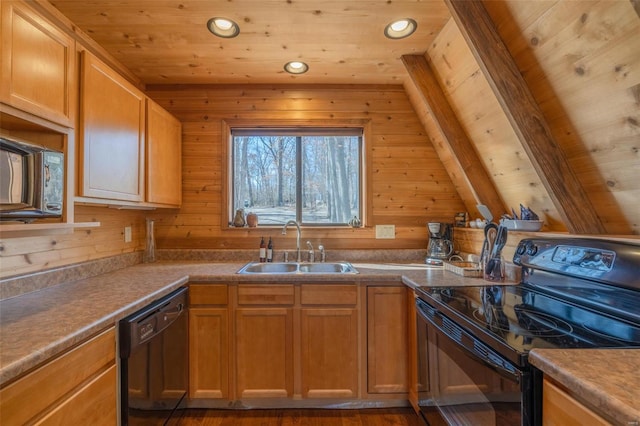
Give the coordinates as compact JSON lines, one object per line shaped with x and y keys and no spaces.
{"x":515,"y":319}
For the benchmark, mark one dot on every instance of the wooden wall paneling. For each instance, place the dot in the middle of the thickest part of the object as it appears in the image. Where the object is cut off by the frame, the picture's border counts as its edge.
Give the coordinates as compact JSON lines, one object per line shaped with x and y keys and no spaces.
{"x":590,"y":59}
{"x":493,"y":137}
{"x":443,"y":149}
{"x":409,"y":185}
{"x":476,"y":176}
{"x":32,"y":254}
{"x":526,"y":117}
{"x":578,"y":67}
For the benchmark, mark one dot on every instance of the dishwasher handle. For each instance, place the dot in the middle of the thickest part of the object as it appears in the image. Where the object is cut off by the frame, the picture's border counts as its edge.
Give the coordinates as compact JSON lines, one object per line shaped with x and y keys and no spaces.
{"x":173,"y":314}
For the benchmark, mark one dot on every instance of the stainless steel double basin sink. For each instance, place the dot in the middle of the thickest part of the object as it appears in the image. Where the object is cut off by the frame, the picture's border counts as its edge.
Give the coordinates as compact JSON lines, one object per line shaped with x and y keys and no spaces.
{"x":298,"y":268}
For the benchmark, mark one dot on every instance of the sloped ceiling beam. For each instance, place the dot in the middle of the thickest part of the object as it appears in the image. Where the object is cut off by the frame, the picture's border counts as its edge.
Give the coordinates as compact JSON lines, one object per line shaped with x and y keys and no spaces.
{"x":526,"y":118}
{"x":476,"y":176}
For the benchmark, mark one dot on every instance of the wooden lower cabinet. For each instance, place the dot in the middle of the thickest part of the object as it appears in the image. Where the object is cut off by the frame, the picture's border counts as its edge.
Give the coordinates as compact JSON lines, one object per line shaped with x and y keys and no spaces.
{"x":561,"y":409}
{"x":208,"y":341}
{"x":329,"y":340}
{"x":264,"y":352}
{"x":329,"y":353}
{"x":296,"y":342}
{"x":387,"y":340}
{"x":78,"y":387}
{"x":263,"y":340}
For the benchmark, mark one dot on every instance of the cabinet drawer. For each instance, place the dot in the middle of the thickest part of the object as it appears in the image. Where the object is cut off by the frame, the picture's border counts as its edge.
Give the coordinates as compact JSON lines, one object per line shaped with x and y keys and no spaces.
{"x":208,"y":294}
{"x":328,"y":294}
{"x":38,"y":391}
{"x":265,"y":294}
{"x":94,"y":404}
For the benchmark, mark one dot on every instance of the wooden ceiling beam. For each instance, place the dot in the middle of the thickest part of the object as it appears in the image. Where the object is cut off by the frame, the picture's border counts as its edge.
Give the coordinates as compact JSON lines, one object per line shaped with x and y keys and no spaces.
{"x":525,"y":116}
{"x":476,"y":176}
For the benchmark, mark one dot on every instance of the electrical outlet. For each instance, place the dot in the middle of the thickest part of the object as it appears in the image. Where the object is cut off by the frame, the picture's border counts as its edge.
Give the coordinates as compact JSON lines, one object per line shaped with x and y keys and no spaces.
{"x":385,"y":231}
{"x":127,"y":234}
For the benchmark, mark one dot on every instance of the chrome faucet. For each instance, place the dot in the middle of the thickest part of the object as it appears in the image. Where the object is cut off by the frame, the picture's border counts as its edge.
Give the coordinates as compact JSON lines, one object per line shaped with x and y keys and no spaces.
{"x":284,"y":232}
{"x":312,"y":254}
{"x":322,"y":253}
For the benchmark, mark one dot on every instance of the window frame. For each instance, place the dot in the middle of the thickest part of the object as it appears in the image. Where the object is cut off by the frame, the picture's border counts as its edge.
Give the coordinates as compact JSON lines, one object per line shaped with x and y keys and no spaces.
{"x":227,"y":209}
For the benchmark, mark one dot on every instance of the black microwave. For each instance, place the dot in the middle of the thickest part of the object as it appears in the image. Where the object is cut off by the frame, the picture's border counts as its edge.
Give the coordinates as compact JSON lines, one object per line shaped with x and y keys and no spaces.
{"x":31,"y":181}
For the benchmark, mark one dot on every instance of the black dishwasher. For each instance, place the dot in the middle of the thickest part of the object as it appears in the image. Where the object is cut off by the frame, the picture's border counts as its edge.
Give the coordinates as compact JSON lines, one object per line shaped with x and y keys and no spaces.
{"x":153,"y":361}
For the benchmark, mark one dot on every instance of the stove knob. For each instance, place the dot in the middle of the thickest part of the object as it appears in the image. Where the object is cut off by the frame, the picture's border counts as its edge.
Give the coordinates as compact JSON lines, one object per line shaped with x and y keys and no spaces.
{"x":532,"y":250}
{"x":522,"y":248}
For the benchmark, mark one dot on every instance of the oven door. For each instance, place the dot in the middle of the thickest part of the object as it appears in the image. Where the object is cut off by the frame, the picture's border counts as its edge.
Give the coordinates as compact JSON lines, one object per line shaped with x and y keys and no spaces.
{"x":470,"y":383}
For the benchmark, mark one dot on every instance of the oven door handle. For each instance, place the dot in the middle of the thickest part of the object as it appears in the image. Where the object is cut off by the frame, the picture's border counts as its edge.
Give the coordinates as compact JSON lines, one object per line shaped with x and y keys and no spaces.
{"x":466,"y":341}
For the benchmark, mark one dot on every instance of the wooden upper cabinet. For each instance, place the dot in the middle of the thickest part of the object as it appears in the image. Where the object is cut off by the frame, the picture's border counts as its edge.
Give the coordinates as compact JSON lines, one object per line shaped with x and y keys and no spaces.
{"x":164,"y":156}
{"x":112,"y":134}
{"x":38,"y":65}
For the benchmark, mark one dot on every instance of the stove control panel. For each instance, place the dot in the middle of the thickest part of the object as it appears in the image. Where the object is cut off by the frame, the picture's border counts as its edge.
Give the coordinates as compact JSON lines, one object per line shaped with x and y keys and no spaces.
{"x":564,"y":257}
{"x":593,"y":259}
{"x":583,"y":257}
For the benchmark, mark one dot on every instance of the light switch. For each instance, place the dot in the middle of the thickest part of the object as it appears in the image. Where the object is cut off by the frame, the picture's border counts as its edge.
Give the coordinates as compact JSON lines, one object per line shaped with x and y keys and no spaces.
{"x":127,"y":234}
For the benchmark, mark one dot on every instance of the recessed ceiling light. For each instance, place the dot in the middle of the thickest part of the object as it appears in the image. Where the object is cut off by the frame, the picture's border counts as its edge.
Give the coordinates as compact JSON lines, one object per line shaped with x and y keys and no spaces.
{"x":401,"y":28}
{"x":296,"y":67}
{"x":223,"y":27}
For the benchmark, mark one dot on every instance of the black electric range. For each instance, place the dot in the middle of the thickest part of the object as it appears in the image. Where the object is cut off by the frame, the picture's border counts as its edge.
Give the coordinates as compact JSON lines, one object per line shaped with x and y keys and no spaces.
{"x":574,"y":293}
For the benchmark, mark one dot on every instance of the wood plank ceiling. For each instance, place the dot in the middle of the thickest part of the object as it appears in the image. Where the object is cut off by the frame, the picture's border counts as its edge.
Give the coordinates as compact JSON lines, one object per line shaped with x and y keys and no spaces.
{"x":167,"y":41}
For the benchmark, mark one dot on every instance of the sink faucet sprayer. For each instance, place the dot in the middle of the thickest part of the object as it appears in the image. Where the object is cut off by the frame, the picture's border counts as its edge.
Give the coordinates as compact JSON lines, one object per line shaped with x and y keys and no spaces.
{"x":284,"y":232}
{"x":312,"y":254}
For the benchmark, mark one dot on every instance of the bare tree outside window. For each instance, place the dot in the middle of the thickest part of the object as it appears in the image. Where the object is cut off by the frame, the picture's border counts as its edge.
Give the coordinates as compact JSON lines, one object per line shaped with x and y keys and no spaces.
{"x":311,"y":177}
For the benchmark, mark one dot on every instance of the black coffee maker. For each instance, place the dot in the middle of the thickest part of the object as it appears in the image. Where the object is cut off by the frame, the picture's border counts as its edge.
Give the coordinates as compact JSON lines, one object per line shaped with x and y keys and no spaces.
{"x":440,"y":243}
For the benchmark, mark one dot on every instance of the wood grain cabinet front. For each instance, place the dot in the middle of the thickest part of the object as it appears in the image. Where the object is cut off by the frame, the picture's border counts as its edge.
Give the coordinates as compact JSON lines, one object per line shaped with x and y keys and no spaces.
{"x":559,"y":408}
{"x":264,"y":341}
{"x":38,"y":73}
{"x":329,"y":341}
{"x":78,"y":387}
{"x":112,"y":134}
{"x":387,"y":340}
{"x":164,"y":157}
{"x":208,"y":341}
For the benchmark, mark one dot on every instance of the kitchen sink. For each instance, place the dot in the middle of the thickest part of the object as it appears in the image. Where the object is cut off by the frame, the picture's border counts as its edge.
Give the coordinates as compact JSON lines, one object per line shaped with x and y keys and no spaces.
{"x":298,"y":268}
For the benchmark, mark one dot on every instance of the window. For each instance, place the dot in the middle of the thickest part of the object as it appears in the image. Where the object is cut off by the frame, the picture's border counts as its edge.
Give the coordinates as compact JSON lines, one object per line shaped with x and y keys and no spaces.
{"x":312,"y":176}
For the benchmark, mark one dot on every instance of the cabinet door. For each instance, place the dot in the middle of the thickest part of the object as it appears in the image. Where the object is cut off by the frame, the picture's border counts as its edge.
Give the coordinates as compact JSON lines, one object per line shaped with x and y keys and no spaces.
{"x":387,"y":340}
{"x":264,"y":352}
{"x":111,"y":134}
{"x":559,"y":408}
{"x":329,"y":353}
{"x":164,"y":156}
{"x":38,"y":65}
{"x":208,"y":353}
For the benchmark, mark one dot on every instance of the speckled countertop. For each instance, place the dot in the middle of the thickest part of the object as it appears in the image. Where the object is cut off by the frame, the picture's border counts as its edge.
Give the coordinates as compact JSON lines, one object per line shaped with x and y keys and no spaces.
{"x":606,"y":380}
{"x":38,"y":325}
{"x":41,"y":324}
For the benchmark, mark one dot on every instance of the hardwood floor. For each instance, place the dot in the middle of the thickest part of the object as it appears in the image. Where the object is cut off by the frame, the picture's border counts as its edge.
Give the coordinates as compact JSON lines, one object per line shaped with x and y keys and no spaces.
{"x":300,"y":417}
